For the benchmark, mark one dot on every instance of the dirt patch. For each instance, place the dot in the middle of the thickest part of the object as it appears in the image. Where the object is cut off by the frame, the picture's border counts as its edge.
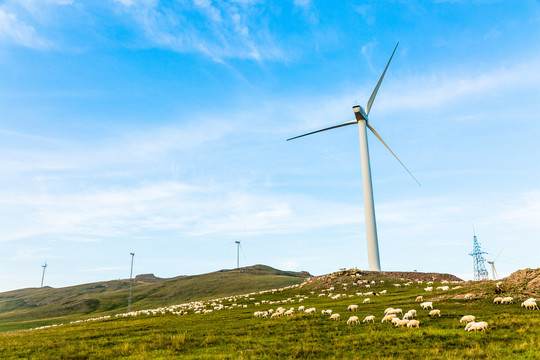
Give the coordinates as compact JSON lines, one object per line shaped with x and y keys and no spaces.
{"x":526,"y":281}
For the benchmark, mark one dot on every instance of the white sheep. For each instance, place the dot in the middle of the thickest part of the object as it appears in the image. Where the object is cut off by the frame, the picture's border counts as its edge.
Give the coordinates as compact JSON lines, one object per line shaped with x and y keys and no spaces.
{"x":412,"y":311}
{"x":382,"y":292}
{"x":352,"y":308}
{"x":507,"y":300}
{"x":413,"y":323}
{"x":289,"y":313}
{"x":468,"y":296}
{"x":475,"y":326}
{"x":530,"y":304}
{"x":335,"y":317}
{"x":301,"y":308}
{"x":366,"y":300}
{"x":435,"y":312}
{"x":395,"y":311}
{"x":427,"y":305}
{"x":353,"y":320}
{"x":497,"y":300}
{"x":429,"y":288}
{"x":369,"y":318}
{"x":467,"y":319}
{"x":387,"y":310}
{"x":395,"y":320}
{"x":310,"y":311}
{"x":388,"y":317}
{"x":419,"y":298}
{"x":407,"y":316}
{"x":403,"y":322}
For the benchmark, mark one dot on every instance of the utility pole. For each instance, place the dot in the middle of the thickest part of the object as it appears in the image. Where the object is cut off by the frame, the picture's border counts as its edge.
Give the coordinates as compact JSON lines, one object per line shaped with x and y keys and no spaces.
{"x":130,"y":281}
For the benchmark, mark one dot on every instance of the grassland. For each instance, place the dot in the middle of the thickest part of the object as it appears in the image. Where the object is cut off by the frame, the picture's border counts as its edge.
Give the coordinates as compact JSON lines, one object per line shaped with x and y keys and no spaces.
{"x":513,"y":333}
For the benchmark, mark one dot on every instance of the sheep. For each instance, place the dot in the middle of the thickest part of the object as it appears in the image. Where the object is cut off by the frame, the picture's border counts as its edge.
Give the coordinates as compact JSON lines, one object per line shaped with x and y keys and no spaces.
{"x":407,"y":316}
{"x":352,"y":308}
{"x":326,"y":312}
{"x":289,"y":313}
{"x":310,"y":311}
{"x":413,"y":323}
{"x":382,"y":292}
{"x":335,"y":317}
{"x":301,"y":308}
{"x":388,"y":317}
{"x":369,"y":318}
{"x":435,"y":312}
{"x":468,"y":296}
{"x":467,"y":319}
{"x":387,"y":310}
{"x":395,"y":311}
{"x":507,"y":300}
{"x":412,"y":312}
{"x":395,"y":320}
{"x":429,"y":288}
{"x":353,"y":320}
{"x":497,"y":300}
{"x":419,"y":298}
{"x":366,"y":300}
{"x":403,"y":322}
{"x":530,"y":304}
{"x":427,"y":305}
{"x":475,"y":326}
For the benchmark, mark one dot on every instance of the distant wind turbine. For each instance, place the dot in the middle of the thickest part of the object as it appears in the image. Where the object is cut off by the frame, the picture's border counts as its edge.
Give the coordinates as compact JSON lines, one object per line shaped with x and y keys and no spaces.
{"x":130,"y":281}
{"x":238,"y":248}
{"x":369,"y":207}
{"x":43,"y":275}
{"x":492,"y":263}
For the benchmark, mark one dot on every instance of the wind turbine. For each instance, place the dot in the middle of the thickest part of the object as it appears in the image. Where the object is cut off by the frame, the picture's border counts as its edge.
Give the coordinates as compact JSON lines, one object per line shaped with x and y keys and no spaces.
{"x":238,"y":248}
{"x":43,"y":275}
{"x":369,"y":207}
{"x":130,"y":281}
{"x":492,"y":263}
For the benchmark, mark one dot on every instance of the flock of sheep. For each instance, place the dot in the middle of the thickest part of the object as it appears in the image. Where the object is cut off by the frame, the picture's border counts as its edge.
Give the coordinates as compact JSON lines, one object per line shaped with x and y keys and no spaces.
{"x":390,"y":314}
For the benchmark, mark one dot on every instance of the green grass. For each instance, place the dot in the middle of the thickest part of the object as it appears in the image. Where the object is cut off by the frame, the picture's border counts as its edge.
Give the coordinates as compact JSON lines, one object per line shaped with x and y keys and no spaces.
{"x":513,"y":333}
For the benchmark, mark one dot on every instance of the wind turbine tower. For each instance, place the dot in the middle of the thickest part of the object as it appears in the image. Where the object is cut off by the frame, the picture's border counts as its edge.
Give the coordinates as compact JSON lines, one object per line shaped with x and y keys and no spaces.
{"x":237,"y":254}
{"x":480,"y":272}
{"x":361,"y":116}
{"x":492,"y":263}
{"x":43,"y":275}
{"x":130,"y":281}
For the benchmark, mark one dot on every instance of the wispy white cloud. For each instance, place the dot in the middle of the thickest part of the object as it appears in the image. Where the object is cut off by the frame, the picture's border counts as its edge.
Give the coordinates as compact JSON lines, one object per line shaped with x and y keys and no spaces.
{"x":15,"y":31}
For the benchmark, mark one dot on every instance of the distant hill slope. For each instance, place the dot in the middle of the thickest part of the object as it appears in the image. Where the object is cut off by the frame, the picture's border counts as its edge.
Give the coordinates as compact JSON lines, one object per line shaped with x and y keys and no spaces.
{"x":29,"y":305}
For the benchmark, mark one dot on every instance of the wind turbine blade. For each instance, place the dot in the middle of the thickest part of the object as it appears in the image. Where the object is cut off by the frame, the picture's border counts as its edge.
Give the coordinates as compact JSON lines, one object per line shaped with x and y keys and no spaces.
{"x":372,"y":98}
{"x":329,"y":128}
{"x":380,"y":138}
{"x":243,"y":253}
{"x":498,"y":256}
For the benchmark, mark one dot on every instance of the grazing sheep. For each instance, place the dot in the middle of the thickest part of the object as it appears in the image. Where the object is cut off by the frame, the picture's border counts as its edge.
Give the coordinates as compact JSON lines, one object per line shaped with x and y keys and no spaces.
{"x":387,"y":310}
{"x":382,"y":292}
{"x":310,"y":311}
{"x":507,"y":300}
{"x":530,"y":304}
{"x":335,"y":317}
{"x":395,"y":320}
{"x":395,"y":311}
{"x":301,"y":308}
{"x":467,"y":319}
{"x":366,"y":300}
{"x":326,"y":312}
{"x":388,"y":317}
{"x":435,"y":312}
{"x":475,"y":326}
{"x":352,"y":308}
{"x":429,"y":288}
{"x":408,"y":316}
{"x":401,"y":323}
{"x":412,"y":311}
{"x":468,"y":296}
{"x":413,"y":323}
{"x":369,"y":318}
{"x":353,"y":320}
{"x":419,"y":298}
{"x":427,"y":305}
{"x":497,"y":300}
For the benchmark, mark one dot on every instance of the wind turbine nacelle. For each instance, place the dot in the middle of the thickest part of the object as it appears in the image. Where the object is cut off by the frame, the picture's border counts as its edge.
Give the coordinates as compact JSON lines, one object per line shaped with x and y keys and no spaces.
{"x":359,"y":112}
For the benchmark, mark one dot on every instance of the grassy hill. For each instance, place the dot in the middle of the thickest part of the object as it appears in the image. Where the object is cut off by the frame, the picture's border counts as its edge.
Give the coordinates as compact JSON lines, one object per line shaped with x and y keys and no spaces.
{"x":27,"y":308}
{"x":234,"y":333}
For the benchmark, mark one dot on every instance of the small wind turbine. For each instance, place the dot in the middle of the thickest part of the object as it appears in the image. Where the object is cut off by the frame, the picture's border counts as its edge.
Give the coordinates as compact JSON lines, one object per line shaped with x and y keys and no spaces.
{"x":43,"y":275}
{"x":492,"y":263}
{"x":369,"y":207}
{"x":130,"y":281}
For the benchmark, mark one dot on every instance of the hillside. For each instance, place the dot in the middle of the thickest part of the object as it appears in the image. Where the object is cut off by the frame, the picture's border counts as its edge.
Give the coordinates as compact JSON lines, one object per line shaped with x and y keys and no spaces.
{"x":27,"y":307}
{"x":226,"y":328}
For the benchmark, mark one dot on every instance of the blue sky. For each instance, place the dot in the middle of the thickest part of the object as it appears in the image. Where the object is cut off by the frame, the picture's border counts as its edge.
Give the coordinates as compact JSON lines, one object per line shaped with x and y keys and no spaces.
{"x":159,"y":127}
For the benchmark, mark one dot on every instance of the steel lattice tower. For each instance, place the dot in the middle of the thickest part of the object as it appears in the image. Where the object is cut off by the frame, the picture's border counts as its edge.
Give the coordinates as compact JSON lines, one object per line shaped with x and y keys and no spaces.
{"x":480,"y":271}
